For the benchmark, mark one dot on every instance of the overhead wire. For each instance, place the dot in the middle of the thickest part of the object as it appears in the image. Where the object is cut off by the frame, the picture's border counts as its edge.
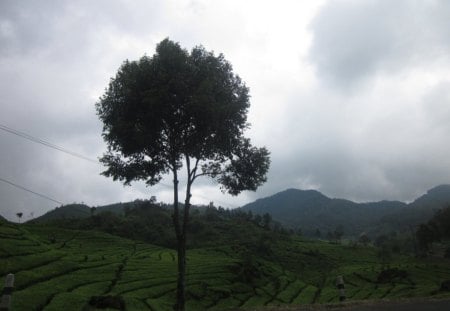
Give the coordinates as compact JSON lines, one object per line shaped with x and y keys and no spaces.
{"x":45,"y":143}
{"x":72,"y":153}
{"x":31,"y":191}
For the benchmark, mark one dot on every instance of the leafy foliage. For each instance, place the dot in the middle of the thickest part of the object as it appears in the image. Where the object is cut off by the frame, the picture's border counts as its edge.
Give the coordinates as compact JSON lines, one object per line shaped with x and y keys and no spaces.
{"x":437,"y":229}
{"x":176,"y":105}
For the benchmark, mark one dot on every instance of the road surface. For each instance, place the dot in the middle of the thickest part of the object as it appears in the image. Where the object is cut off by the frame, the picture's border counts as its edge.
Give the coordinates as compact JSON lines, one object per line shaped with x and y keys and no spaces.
{"x":401,"y":305}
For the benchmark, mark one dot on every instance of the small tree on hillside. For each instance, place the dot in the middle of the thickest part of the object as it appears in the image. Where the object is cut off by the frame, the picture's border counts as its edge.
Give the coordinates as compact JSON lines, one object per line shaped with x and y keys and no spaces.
{"x":267,"y":220}
{"x":257,"y":220}
{"x":425,"y":237}
{"x":180,"y":109}
{"x":385,"y":255}
{"x":330,"y":236}
{"x":19,"y":215}
{"x":338,"y":233}
{"x":93,"y":209}
{"x":364,"y":239}
{"x":318,"y":234}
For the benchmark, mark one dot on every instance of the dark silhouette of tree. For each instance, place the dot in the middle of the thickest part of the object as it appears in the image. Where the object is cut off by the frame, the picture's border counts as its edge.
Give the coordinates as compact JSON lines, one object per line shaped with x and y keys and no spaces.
{"x":93,"y":210}
{"x":385,"y":255}
{"x":267,"y":220}
{"x":318,"y":234}
{"x":257,"y":220}
{"x":338,"y":233}
{"x":19,"y":215}
{"x":441,"y":223}
{"x":178,"y":109}
{"x":381,"y":240}
{"x":330,"y":236}
{"x":425,"y":237}
{"x":435,"y":230}
{"x":364,"y":239}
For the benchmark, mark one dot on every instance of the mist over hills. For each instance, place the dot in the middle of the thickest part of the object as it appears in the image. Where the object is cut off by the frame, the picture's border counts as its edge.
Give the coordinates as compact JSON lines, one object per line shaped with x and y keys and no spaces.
{"x":311,"y":210}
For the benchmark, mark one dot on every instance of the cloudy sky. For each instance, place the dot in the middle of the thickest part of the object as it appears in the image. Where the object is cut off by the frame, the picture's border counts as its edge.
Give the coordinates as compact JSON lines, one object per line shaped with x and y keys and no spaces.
{"x":352,"y":98}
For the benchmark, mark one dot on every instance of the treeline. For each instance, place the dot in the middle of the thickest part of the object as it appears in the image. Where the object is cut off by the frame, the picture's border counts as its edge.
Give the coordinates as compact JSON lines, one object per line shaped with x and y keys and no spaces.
{"x":208,"y":226}
{"x":437,"y":229}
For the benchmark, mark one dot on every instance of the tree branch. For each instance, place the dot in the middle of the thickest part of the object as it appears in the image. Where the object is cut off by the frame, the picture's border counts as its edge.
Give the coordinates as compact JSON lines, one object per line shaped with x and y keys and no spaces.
{"x":194,"y":170}
{"x":201,"y":174}
{"x":176,"y":214}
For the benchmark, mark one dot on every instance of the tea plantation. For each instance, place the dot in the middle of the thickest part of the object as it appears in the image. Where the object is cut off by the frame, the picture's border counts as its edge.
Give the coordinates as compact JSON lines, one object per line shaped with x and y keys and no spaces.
{"x":62,"y":269}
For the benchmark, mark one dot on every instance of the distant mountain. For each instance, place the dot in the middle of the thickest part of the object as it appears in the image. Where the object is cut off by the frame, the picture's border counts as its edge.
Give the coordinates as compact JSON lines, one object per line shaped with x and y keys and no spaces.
{"x":421,"y":209}
{"x":2,"y":219}
{"x":311,"y":210}
{"x":439,"y":195}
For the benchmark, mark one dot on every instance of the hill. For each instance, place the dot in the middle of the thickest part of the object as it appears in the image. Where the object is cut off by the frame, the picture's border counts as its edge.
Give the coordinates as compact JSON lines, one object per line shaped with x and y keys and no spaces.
{"x":308,"y":210}
{"x":311,"y":210}
{"x":66,"y":212}
{"x":80,"y":211}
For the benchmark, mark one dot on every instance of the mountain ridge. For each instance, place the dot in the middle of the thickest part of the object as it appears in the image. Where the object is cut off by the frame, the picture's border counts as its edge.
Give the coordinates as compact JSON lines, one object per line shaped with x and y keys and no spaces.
{"x":310,"y":210}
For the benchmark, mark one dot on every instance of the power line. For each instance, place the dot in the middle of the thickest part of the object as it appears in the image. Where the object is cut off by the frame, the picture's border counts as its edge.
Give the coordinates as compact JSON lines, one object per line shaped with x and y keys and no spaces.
{"x":72,"y":153}
{"x":45,"y":143}
{"x":31,"y":191}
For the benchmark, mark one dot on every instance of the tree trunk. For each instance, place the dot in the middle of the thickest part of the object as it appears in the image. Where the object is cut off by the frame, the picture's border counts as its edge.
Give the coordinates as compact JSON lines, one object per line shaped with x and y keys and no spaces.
{"x":181,"y":281}
{"x":181,"y":247}
{"x":181,"y":233}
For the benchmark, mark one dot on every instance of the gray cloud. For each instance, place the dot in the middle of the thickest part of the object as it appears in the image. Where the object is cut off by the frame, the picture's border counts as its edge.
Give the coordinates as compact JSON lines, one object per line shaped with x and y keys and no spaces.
{"x":363,"y":116}
{"x":354,"y":40}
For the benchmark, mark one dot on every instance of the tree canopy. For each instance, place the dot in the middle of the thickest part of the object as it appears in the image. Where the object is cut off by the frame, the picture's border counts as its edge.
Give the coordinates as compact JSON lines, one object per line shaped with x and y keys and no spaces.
{"x":161,"y":110}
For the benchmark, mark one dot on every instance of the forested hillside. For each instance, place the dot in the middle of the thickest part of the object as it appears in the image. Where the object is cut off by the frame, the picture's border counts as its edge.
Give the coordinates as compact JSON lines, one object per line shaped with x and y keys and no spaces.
{"x":312,"y":211}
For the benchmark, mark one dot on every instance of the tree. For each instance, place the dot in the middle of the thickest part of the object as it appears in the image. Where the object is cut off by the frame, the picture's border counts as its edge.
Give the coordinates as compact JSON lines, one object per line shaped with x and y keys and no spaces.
{"x":330,"y":236}
{"x":425,"y":237}
{"x":19,"y":215}
{"x":93,"y":210}
{"x":385,"y":255}
{"x":178,"y":107}
{"x":381,"y":240}
{"x":318,"y":233}
{"x":257,"y":220}
{"x":364,"y":239}
{"x":267,"y":220}
{"x":338,"y":233}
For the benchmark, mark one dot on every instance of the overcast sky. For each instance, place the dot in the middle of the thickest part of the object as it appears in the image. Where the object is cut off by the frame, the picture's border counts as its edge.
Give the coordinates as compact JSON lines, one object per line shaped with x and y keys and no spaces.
{"x":352,"y":98}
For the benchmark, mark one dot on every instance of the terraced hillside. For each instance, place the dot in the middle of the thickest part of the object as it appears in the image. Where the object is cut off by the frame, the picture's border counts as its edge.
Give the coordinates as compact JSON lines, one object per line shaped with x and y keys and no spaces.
{"x":57,"y":269}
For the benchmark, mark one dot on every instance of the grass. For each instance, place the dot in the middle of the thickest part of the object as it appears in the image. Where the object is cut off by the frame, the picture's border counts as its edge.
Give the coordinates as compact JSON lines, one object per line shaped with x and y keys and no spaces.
{"x":59,"y":269}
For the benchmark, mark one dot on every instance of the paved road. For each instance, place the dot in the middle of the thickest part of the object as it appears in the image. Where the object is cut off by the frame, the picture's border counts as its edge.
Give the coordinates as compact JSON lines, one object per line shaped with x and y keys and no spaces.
{"x":431,"y":305}
{"x":401,"y":305}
